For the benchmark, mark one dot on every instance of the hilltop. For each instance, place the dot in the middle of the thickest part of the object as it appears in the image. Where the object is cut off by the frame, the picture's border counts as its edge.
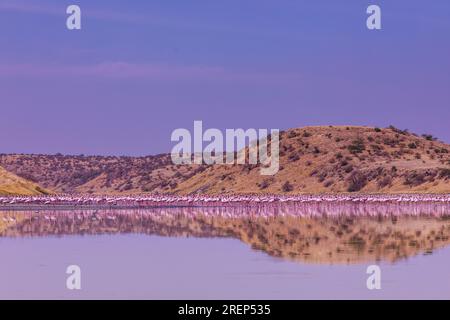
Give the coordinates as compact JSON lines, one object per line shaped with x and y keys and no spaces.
{"x":339,"y":159}
{"x":323,"y":159}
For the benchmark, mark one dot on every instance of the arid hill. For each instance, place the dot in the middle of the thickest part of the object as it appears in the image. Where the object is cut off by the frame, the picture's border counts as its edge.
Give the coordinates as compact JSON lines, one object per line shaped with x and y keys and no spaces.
{"x":99,"y":175}
{"x":12,"y":184}
{"x":312,"y":160}
{"x":339,"y":159}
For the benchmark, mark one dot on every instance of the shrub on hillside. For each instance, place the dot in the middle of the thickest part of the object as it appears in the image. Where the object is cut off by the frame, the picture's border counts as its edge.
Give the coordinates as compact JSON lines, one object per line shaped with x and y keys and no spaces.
{"x":444,"y":173}
{"x":264,"y":184}
{"x":357,"y":146}
{"x":429,"y":137}
{"x":357,"y":181}
{"x":294,"y":157}
{"x":287,"y":187}
{"x":384,"y":182}
{"x":328,"y":183}
{"x":416,"y":178}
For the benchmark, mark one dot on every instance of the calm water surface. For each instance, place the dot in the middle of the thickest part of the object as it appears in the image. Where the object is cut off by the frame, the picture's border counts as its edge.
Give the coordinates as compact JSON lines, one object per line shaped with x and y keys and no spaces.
{"x":235,"y":253}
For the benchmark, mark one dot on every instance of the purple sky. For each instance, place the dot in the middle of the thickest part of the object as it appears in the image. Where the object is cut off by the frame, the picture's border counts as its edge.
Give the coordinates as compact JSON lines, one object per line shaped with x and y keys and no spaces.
{"x":138,"y":70}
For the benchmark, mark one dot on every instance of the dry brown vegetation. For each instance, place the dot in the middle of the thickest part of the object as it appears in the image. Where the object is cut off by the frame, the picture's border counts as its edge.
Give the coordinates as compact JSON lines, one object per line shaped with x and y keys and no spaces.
{"x":11,"y":184}
{"x":339,"y":159}
{"x":97,"y":174}
{"x":312,"y":160}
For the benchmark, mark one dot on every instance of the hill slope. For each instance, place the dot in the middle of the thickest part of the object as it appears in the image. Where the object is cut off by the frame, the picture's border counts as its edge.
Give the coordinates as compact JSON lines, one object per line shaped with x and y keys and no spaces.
{"x":12,"y":184}
{"x":312,"y":160}
{"x":338,"y":159}
{"x":99,"y":175}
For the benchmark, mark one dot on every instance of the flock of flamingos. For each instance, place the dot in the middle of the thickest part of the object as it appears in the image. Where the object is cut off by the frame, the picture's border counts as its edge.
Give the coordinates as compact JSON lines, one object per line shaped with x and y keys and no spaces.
{"x":140,"y":201}
{"x":241,"y":206}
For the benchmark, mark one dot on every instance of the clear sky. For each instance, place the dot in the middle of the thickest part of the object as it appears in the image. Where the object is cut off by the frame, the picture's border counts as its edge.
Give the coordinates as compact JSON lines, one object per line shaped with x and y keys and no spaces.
{"x":140,"y":69}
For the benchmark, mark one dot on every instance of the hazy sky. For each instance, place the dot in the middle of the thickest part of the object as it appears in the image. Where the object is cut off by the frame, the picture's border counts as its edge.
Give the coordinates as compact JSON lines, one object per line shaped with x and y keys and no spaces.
{"x":140,"y":69}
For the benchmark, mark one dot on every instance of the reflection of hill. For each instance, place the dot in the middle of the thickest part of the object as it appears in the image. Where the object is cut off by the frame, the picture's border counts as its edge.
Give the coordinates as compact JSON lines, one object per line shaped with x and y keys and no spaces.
{"x":338,"y":239}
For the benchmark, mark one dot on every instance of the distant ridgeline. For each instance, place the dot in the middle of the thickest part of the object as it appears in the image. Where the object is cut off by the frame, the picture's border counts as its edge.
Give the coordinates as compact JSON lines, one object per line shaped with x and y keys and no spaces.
{"x":326,"y":159}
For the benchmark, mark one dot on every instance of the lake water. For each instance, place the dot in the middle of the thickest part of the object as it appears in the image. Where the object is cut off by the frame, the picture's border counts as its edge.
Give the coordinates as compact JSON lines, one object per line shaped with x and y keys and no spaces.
{"x":226,"y":253}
